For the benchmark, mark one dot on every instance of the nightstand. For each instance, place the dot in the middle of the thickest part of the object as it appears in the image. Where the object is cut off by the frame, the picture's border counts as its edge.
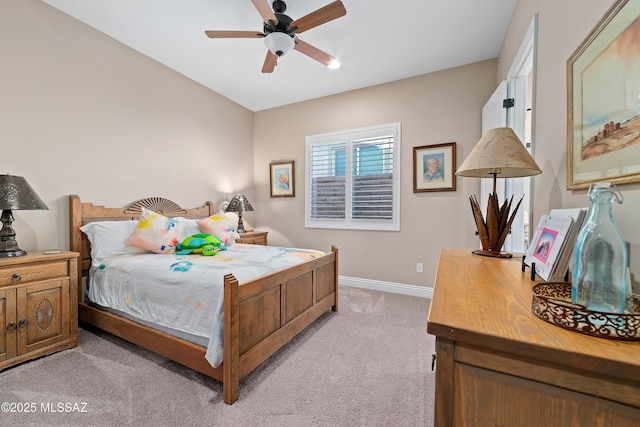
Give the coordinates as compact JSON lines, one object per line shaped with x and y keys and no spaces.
{"x":38,"y":305}
{"x":253,"y":238}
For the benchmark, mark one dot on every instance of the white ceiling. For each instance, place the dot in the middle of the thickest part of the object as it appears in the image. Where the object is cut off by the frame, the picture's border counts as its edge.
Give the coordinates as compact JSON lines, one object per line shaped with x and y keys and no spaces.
{"x":377,"y":41}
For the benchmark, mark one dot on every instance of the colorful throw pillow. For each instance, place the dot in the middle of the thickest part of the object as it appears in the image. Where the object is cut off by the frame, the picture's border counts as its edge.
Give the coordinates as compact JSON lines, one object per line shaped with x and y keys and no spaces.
{"x":156,"y":233}
{"x":221,"y":227}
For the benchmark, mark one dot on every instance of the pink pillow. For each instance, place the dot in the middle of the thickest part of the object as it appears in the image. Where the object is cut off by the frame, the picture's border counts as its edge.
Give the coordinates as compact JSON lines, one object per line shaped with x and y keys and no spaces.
{"x":221,"y":227}
{"x":156,"y":233}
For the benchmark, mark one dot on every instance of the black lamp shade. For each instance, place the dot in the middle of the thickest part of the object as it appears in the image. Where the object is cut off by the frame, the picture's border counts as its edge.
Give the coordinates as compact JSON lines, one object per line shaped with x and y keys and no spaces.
{"x":239,"y":203}
{"x":17,"y":194}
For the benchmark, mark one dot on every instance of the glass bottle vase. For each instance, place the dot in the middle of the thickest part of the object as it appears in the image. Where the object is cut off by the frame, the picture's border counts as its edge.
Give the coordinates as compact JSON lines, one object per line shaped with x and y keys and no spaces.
{"x":599,"y":278}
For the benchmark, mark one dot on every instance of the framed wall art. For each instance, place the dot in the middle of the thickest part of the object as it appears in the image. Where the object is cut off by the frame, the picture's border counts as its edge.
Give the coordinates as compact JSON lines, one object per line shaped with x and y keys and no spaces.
{"x":434,"y":167}
{"x":603,"y":101}
{"x":282,"y":178}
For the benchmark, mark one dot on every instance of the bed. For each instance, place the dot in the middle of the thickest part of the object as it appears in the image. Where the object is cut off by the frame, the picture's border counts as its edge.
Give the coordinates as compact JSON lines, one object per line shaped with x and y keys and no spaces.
{"x":260,"y":315}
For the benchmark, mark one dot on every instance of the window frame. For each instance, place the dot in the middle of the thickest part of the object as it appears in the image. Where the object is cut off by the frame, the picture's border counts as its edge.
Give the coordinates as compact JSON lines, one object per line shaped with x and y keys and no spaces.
{"x":348,"y":137}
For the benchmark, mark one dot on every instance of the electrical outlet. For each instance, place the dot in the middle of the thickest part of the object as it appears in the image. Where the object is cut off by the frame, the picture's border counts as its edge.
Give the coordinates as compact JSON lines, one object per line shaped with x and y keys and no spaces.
{"x":419,"y":268}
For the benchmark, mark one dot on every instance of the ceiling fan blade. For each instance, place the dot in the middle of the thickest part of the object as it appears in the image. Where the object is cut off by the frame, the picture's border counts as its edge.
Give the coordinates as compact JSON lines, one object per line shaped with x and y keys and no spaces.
{"x":233,"y":34}
{"x":265,"y":11}
{"x":269,"y":62}
{"x":323,"y":15}
{"x":313,"y":52}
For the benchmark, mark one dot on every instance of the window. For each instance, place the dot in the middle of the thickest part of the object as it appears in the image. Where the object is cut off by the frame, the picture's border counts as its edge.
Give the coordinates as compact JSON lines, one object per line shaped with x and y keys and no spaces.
{"x":352,"y":179}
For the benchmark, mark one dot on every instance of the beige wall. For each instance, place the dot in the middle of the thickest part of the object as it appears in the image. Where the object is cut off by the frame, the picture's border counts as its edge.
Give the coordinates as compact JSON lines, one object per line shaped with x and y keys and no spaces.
{"x":434,"y":108}
{"x":562,"y":27}
{"x":83,"y":114}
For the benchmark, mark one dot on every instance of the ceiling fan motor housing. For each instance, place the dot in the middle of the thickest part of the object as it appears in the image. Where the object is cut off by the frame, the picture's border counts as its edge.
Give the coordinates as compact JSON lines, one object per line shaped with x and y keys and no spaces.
{"x":284,"y":21}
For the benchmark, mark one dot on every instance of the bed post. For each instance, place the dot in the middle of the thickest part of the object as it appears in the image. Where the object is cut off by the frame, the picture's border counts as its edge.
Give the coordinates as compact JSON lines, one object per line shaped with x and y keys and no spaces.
{"x":75,"y":240}
{"x":335,"y":277}
{"x":231,"y":348}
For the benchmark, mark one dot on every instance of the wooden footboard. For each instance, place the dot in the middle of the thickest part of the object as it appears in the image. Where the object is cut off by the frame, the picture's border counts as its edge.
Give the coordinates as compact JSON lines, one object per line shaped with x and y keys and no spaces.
{"x":260,"y":315}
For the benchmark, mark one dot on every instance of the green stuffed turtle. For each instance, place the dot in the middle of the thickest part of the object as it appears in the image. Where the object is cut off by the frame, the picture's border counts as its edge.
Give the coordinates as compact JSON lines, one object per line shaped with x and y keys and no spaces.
{"x":205,"y":244}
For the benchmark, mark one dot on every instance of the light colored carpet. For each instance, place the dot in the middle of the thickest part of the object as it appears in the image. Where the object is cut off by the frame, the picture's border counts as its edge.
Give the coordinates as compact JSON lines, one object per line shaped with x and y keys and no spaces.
{"x":369,"y":364}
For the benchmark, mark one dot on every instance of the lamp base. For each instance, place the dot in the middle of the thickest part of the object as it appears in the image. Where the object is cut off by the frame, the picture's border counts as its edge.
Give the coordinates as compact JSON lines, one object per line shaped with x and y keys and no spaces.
{"x":9,"y":254}
{"x":494,"y":230}
{"x":492,"y":253}
{"x":8,"y":244}
{"x":240,"y":229}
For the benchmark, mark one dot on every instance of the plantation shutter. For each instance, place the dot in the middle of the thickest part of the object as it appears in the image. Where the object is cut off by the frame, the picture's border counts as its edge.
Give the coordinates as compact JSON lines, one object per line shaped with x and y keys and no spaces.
{"x":353,"y":179}
{"x":328,"y":189}
{"x":372,"y":178}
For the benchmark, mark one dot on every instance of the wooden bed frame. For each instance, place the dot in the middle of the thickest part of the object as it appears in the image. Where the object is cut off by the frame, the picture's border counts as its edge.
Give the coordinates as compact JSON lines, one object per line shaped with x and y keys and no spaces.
{"x":260,"y":315}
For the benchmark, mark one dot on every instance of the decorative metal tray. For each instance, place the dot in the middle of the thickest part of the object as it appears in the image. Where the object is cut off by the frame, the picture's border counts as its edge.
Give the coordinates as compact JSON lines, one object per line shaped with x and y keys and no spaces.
{"x":552,"y":303}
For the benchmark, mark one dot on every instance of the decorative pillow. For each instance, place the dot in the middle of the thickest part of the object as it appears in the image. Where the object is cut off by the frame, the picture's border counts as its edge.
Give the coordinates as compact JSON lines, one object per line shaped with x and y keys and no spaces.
{"x":156,"y":233}
{"x":190,"y":228}
{"x":107,"y":238}
{"x":221,"y":227}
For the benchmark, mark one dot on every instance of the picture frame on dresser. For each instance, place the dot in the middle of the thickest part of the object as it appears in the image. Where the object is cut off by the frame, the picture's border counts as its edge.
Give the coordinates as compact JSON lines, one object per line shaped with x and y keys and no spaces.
{"x":603,"y":124}
{"x":549,"y":244}
{"x":434,"y":167}
{"x":282,"y":178}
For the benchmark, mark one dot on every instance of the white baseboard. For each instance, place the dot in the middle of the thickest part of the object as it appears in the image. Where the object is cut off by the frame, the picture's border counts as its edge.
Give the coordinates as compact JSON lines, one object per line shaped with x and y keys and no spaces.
{"x":376,"y":285}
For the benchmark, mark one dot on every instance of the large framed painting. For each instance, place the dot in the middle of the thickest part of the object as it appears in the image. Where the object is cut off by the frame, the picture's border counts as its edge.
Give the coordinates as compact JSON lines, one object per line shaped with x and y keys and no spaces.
{"x":603,"y":101}
{"x":433,"y":167}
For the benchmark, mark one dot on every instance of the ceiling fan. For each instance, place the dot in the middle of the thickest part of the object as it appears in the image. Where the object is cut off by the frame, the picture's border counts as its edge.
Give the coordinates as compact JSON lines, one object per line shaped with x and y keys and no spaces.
{"x":280,"y":32}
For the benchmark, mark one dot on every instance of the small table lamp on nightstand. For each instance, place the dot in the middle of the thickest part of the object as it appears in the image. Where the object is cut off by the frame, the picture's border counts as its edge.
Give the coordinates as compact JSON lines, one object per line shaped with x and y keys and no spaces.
{"x":239,"y":204}
{"x":498,"y":153}
{"x":15,"y":194}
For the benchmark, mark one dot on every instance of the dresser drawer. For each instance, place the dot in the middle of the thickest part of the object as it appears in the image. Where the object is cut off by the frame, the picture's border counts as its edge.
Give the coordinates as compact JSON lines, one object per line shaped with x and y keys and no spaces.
{"x":26,"y":273}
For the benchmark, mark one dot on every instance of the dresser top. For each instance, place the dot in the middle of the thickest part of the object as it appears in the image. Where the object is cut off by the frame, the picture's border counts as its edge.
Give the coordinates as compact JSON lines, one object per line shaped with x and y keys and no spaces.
{"x":486,"y":302}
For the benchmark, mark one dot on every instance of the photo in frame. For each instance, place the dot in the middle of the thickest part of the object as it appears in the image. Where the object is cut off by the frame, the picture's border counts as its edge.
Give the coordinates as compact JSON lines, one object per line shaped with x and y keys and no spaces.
{"x":603,"y":101}
{"x":282,"y":178}
{"x":434,"y":167}
{"x":548,"y":244}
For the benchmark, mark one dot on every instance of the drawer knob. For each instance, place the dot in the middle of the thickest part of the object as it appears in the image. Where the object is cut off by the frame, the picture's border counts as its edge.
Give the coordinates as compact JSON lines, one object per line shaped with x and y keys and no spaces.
{"x":11,"y":326}
{"x":16,"y":278}
{"x":23,"y":323}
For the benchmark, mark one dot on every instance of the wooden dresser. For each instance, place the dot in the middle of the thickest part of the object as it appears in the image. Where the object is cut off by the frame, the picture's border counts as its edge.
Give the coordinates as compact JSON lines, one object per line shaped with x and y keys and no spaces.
{"x":497,"y":364}
{"x":38,"y":305}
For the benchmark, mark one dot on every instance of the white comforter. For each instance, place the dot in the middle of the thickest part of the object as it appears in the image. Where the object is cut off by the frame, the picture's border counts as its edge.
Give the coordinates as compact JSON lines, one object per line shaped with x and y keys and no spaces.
{"x":185,"y":292}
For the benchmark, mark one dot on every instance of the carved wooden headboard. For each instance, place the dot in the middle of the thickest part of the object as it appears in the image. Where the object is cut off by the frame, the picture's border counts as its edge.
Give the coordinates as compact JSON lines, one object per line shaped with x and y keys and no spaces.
{"x":84,"y":213}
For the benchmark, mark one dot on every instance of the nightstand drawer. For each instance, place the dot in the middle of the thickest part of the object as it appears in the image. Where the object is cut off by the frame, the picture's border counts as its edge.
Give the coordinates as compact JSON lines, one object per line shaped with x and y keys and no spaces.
{"x":258,"y":240}
{"x":253,"y":238}
{"x":17,"y":274}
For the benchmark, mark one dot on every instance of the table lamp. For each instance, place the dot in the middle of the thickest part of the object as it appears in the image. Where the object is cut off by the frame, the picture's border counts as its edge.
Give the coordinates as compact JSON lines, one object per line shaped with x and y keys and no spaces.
{"x":498,"y":153}
{"x":239,"y":204}
{"x":15,"y":194}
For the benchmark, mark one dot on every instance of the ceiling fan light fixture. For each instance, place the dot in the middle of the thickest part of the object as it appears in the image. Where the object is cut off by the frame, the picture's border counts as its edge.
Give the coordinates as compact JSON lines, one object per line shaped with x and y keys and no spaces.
{"x":334,"y":64}
{"x":279,"y":43}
